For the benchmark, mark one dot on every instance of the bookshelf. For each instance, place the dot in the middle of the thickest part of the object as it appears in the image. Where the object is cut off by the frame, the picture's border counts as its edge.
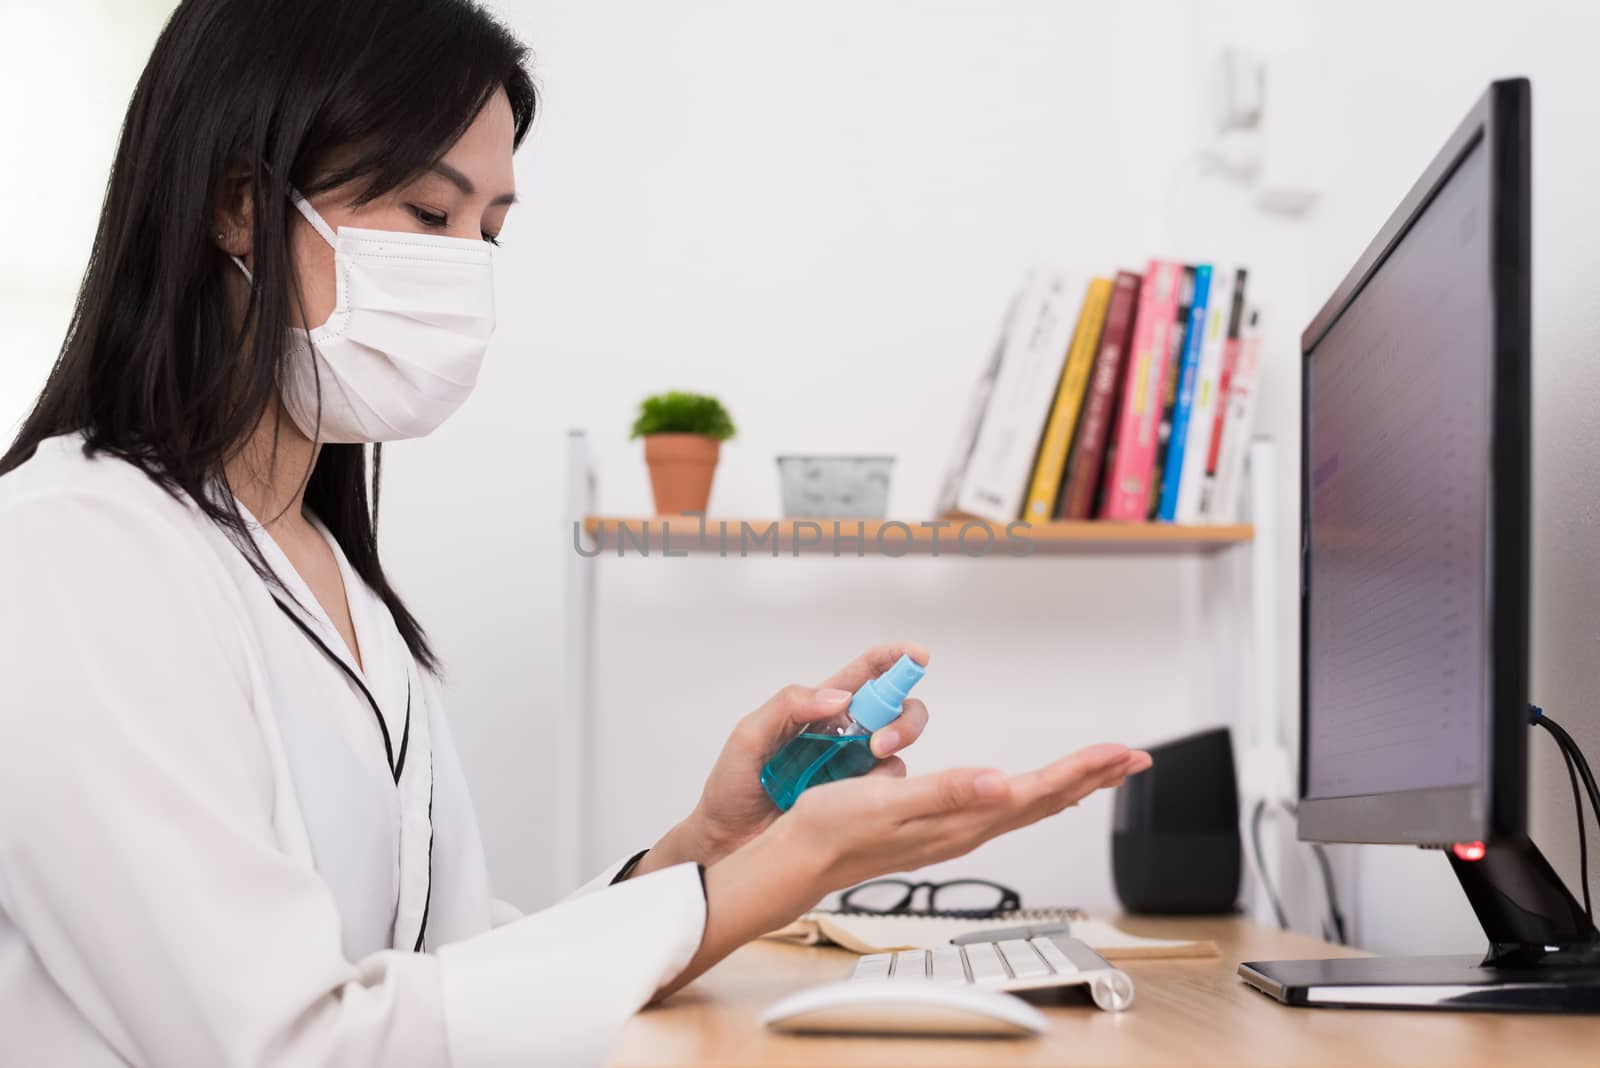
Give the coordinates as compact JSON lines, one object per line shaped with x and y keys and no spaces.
{"x":602,"y":539}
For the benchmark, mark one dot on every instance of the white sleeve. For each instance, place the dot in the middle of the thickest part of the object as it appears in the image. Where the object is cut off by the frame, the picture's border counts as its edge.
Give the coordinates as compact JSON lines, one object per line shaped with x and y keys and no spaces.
{"x":459,"y":868}
{"x":504,"y":912}
{"x":548,"y":989}
{"x":609,"y":876}
{"x":140,"y":863}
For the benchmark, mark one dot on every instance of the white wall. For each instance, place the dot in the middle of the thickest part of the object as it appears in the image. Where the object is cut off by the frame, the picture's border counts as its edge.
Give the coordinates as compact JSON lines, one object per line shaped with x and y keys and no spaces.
{"x":818,"y":211}
{"x":66,"y":72}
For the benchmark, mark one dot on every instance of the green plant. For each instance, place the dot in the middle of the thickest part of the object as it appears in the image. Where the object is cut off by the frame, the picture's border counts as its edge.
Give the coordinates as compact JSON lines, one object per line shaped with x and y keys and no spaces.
{"x":676,"y":412}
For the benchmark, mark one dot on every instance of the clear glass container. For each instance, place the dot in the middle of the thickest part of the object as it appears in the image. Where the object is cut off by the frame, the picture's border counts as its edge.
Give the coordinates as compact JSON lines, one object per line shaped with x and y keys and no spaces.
{"x":839,"y":747}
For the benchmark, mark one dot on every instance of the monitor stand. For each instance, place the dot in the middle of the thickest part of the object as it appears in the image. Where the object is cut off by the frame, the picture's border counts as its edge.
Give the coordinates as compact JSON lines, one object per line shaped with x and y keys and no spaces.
{"x":1544,"y":954}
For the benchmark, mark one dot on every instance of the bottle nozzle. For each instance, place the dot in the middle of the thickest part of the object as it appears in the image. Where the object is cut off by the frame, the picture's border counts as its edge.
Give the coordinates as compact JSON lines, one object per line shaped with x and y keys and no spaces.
{"x":877,"y":704}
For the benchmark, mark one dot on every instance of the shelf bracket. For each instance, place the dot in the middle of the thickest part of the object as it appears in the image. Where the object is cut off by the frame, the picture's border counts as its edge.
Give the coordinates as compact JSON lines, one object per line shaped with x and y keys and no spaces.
{"x":577,"y":676}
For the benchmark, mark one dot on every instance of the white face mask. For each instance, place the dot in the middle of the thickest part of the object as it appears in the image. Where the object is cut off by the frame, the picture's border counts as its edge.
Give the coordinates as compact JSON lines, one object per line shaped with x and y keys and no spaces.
{"x":400,"y":352}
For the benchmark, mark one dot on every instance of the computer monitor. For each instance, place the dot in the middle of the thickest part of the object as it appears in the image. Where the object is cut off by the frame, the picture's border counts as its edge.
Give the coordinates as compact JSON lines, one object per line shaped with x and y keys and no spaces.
{"x":1414,"y":583}
{"x":1414,"y":510}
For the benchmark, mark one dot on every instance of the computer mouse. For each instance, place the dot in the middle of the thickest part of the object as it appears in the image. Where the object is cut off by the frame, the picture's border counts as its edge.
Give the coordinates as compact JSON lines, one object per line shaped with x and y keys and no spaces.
{"x":904,"y":1007}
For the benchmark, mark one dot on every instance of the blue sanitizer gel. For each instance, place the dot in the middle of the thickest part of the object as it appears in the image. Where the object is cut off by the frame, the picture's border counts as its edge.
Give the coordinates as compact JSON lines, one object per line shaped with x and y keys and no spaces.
{"x":839,"y":748}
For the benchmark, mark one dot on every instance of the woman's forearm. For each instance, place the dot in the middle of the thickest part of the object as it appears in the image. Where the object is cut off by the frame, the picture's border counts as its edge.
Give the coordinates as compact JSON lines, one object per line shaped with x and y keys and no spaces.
{"x":691,"y":841}
{"x":755,"y":889}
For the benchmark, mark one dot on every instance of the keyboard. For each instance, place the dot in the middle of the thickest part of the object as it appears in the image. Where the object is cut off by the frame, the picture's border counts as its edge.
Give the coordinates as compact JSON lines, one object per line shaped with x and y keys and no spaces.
{"x":1010,"y":964}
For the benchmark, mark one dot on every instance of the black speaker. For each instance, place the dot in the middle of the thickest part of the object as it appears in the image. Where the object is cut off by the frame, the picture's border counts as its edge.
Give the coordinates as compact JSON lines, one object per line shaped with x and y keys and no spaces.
{"x":1175,"y":846}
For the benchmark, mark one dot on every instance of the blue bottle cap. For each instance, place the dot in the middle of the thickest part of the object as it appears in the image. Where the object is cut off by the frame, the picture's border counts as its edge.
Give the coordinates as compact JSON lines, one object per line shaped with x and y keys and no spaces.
{"x":877,"y":704}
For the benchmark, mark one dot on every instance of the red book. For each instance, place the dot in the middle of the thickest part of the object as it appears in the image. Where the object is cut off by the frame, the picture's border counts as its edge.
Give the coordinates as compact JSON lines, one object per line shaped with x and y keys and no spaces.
{"x":1127,"y":495}
{"x":1169,"y":388}
{"x":1099,"y":407}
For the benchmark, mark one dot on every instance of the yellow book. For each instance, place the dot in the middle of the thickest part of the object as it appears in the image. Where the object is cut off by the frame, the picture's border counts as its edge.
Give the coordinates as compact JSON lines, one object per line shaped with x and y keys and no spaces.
{"x":1057,"y":440}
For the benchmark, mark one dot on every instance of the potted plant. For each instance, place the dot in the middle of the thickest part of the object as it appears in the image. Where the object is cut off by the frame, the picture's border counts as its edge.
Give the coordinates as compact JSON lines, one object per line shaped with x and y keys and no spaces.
{"x":683,"y":435}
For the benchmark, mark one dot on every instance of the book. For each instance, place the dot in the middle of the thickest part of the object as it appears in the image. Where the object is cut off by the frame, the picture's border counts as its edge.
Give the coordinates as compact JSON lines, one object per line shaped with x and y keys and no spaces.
{"x":955,"y":474}
{"x":1185,"y":373}
{"x":1219,"y":306}
{"x":1127,"y":487}
{"x":1087,"y":459}
{"x":1057,"y":439}
{"x":1169,"y":389}
{"x":1236,"y":430}
{"x":1035,"y":348}
{"x":1230,"y":358}
{"x":866,"y":933}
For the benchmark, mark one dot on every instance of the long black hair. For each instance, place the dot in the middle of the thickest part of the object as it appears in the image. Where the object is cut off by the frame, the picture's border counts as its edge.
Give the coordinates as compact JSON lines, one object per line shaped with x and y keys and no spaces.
{"x":285,"y":92}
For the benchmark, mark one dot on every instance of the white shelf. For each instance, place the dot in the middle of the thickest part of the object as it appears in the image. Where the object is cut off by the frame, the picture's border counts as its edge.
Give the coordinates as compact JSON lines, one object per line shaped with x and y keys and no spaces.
{"x":612,"y":535}
{"x":608,"y":537}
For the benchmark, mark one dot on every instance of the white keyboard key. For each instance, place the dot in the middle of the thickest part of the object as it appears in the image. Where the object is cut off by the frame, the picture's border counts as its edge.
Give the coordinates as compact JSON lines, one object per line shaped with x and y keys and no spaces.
{"x":911,"y":964}
{"x":947,"y":967}
{"x":1054,"y":957}
{"x":875,"y":966}
{"x":1025,"y":963}
{"x":986,"y":966}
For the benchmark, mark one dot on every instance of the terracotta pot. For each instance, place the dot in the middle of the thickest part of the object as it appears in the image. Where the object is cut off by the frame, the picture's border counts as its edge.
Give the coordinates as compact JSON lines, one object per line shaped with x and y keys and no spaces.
{"x":681,"y":468}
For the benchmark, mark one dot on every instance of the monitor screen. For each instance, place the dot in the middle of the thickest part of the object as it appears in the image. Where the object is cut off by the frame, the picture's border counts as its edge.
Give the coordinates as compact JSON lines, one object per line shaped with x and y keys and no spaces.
{"x":1398,"y":422}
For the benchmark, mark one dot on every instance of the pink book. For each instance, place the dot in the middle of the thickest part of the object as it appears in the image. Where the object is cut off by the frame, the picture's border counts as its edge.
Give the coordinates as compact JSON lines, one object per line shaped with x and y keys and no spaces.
{"x":1127,"y":490}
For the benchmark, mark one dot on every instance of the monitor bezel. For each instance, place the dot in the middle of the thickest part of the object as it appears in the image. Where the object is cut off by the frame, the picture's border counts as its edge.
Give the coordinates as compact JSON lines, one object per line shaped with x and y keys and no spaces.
{"x":1496,"y":807}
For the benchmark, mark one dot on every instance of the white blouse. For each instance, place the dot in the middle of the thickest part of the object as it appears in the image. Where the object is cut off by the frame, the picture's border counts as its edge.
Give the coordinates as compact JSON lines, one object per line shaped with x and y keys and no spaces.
{"x":222,"y":842}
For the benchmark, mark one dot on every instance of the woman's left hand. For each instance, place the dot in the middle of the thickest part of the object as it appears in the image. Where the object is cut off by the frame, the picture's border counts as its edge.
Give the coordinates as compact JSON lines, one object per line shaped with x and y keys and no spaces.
{"x":733,"y":807}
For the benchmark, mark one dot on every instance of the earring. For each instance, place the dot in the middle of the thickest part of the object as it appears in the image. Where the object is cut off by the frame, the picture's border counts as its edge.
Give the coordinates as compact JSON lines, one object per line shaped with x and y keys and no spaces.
{"x":221,"y":236}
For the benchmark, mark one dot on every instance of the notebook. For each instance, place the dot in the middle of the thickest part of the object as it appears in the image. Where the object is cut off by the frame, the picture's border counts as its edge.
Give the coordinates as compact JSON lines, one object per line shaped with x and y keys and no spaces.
{"x":865,"y":933}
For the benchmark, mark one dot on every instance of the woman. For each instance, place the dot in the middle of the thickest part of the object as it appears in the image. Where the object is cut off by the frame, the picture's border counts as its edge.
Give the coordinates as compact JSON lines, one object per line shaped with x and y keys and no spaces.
{"x":233,"y":826}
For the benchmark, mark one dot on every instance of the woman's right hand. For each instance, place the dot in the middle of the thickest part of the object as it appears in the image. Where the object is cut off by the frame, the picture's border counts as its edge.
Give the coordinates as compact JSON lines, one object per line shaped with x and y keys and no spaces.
{"x":846,"y":832}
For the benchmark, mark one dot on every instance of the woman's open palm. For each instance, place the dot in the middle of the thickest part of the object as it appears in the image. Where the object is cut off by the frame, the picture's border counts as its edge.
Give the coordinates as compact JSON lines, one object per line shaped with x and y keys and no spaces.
{"x":883,"y":823}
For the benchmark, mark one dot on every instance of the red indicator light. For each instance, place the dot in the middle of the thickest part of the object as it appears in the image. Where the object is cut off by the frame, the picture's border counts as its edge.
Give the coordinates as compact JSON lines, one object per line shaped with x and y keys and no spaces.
{"x":1468,"y":850}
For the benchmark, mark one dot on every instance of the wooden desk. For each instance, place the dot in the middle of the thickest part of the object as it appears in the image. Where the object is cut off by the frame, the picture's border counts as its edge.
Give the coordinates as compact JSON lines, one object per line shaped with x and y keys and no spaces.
{"x":1187,"y":1012}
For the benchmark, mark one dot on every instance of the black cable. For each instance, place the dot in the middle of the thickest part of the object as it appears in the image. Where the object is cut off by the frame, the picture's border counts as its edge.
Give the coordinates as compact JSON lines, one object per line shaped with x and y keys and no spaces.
{"x":1567,"y":743}
{"x":1334,"y":915}
{"x":1261,"y":865}
{"x":1574,"y":757}
{"x":1583,"y":835}
{"x":1333,"y":927}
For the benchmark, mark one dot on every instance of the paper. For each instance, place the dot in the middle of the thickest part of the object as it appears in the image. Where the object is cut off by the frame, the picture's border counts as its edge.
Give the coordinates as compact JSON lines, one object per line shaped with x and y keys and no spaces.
{"x":880,"y":934}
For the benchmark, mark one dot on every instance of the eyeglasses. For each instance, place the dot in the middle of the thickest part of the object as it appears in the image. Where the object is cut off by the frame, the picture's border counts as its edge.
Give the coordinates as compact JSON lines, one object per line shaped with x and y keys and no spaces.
{"x":974,"y":898}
